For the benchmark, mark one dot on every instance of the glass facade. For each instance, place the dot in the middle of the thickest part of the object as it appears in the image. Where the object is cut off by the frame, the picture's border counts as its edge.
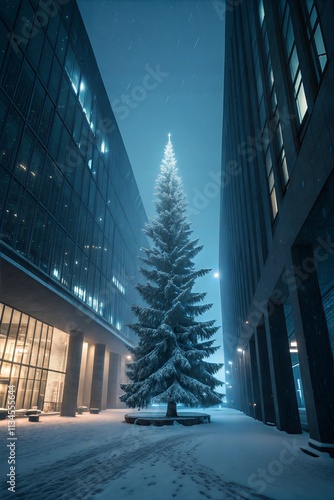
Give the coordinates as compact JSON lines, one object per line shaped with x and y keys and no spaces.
{"x":33,"y":359}
{"x":69,"y":205}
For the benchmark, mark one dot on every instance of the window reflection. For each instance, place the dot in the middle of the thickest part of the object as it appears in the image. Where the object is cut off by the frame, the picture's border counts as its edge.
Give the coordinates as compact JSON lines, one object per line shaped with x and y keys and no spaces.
{"x":29,"y":351}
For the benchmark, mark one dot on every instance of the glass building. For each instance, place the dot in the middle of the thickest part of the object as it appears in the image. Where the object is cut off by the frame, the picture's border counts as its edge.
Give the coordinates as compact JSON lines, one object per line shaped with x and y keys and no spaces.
{"x":277,"y":217}
{"x":70,"y":216}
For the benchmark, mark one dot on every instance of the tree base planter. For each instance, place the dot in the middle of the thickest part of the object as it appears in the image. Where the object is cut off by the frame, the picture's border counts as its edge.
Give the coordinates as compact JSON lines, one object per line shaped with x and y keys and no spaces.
{"x":159,"y":419}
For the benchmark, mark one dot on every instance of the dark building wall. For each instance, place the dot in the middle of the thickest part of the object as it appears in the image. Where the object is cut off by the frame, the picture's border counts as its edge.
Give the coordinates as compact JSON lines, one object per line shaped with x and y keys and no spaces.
{"x":278,"y":138}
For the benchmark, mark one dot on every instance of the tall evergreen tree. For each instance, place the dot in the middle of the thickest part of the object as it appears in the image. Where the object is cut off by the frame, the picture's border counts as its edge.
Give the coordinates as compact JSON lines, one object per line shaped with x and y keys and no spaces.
{"x":168,"y":363}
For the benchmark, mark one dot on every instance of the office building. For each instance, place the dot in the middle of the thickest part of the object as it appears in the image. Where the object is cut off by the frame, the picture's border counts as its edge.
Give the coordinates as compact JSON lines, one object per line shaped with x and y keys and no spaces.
{"x":277,"y":214}
{"x":70,"y":216}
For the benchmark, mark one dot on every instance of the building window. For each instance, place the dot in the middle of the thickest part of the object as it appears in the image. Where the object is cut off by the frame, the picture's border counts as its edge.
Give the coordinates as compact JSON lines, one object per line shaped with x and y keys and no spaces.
{"x":9,"y":140}
{"x":292,"y":58}
{"x":315,"y":38}
{"x":11,"y":72}
{"x":24,"y":89}
{"x":271,"y":183}
{"x":272,"y":127}
{"x":36,"y":106}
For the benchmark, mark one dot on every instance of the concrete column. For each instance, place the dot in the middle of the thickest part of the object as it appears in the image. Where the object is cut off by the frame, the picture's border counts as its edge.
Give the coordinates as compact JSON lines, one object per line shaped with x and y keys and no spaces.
{"x":255,"y":380}
{"x":242,"y":385}
{"x":72,"y":375}
{"x":97,"y":379}
{"x":284,"y":391}
{"x":314,"y":350}
{"x":266,"y":393}
{"x":88,"y":375}
{"x":105,"y":380}
{"x":83,"y":369}
{"x":114,"y":380}
{"x":238,"y":387}
{"x":249,"y":381}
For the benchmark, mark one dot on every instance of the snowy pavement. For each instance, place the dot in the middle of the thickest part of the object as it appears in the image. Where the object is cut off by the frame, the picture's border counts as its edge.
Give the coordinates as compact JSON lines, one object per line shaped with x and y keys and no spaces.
{"x":101,"y":457}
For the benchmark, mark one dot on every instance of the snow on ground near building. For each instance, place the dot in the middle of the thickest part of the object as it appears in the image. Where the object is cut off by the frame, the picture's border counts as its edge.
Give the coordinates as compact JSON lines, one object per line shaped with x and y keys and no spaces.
{"x":101,"y":457}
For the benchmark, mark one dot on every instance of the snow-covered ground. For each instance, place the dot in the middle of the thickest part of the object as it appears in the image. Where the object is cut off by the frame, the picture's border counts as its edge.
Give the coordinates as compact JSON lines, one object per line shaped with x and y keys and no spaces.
{"x":101,"y":457}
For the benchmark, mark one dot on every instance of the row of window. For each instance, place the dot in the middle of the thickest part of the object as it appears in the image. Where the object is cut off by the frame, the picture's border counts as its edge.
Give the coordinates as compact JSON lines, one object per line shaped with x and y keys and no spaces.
{"x":84,"y":271}
{"x":278,"y":172}
{"x":266,"y":139}
{"x":76,"y":110}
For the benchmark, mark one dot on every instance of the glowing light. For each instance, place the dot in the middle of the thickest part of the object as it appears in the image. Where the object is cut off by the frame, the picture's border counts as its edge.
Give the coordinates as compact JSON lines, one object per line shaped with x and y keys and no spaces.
{"x":216,"y":275}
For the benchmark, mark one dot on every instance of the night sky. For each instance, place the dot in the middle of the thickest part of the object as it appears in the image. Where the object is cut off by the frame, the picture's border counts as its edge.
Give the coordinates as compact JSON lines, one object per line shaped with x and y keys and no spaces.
{"x":162,"y":65}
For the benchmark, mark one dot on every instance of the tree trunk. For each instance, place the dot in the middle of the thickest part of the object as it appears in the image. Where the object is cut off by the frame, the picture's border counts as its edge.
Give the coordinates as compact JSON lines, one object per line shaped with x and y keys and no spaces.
{"x":171,"y":409}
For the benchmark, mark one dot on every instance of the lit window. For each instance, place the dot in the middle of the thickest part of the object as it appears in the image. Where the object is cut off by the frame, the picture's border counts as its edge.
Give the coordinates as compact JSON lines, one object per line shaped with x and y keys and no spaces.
{"x":261,"y":12}
{"x":271,"y":183}
{"x":292,"y":59}
{"x":118,"y":285}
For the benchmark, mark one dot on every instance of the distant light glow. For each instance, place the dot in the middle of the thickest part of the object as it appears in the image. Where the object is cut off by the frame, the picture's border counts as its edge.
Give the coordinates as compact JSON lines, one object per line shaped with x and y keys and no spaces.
{"x":239,"y":350}
{"x":230,"y":363}
{"x":216,"y":275}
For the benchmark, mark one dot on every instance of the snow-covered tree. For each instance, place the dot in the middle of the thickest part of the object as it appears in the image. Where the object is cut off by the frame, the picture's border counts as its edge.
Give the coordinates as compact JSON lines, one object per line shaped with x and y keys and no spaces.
{"x":169,"y":362}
